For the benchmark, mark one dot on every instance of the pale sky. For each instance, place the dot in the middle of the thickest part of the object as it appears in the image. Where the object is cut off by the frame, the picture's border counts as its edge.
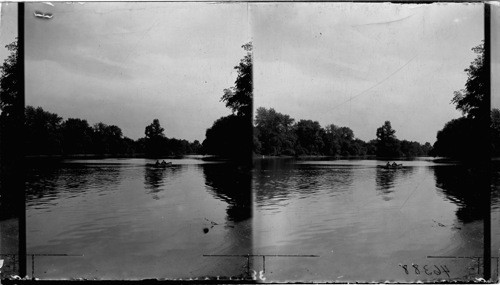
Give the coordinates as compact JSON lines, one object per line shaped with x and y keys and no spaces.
{"x":310,"y":58}
{"x":128,"y":63}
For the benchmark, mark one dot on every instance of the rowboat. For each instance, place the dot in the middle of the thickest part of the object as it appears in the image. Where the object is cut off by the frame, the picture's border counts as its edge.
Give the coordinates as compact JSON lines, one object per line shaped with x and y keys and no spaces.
{"x":160,"y":165}
{"x":392,"y":166}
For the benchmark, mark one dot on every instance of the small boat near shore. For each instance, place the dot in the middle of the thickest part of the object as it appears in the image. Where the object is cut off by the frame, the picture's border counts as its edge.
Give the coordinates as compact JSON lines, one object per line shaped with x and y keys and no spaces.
{"x":160,"y":165}
{"x":397,"y":166}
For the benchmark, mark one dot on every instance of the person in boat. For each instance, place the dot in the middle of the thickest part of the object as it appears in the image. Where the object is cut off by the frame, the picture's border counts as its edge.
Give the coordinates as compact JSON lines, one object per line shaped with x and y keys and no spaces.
{"x":394,"y":164}
{"x":163,"y":163}
{"x":157,"y":163}
{"x":388,"y":164}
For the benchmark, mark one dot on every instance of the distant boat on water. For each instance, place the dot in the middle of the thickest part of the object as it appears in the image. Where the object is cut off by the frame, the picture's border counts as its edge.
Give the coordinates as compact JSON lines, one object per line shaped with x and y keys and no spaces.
{"x":160,"y":165}
{"x":392,"y":166}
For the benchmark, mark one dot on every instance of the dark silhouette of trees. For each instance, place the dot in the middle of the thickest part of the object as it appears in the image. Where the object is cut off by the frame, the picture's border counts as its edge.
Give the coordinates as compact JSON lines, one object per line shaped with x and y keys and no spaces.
{"x":309,"y":137}
{"x":454,"y":139}
{"x":9,"y":82}
{"x":228,"y":137}
{"x":387,"y":143}
{"x":11,"y":115}
{"x":107,"y":139}
{"x":195,"y":147}
{"x":341,"y":141}
{"x":76,"y":136}
{"x":231,"y":136}
{"x":157,"y":145}
{"x":472,"y":100}
{"x":239,"y":98}
{"x":465,"y":137}
{"x":11,"y":136}
{"x":495,"y":132}
{"x":276,"y":134}
{"x":48,"y":134}
{"x":43,"y":132}
{"x":155,"y":142}
{"x":154,"y":130}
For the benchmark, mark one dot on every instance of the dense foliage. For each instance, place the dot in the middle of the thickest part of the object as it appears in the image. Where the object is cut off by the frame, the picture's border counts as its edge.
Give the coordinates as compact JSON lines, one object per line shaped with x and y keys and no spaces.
{"x":48,"y":134}
{"x":239,"y":98}
{"x":231,"y":136}
{"x":467,"y":137}
{"x":11,"y":136}
{"x":495,"y":132}
{"x":9,"y":81}
{"x":277,"y":134}
{"x":10,"y":106}
{"x":472,"y":100}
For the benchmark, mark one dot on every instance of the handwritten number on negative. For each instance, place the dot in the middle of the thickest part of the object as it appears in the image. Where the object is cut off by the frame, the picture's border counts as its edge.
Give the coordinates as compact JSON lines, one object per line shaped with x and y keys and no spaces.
{"x":417,"y":271}
{"x":405,"y":267}
{"x":445,"y":270}
{"x":426,"y":270}
{"x":437,"y":270}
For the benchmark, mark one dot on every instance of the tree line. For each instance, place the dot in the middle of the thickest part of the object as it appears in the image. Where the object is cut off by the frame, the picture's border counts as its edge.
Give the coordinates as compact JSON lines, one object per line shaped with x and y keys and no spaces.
{"x":47,"y":133}
{"x":238,"y":135}
{"x":278,"y":134}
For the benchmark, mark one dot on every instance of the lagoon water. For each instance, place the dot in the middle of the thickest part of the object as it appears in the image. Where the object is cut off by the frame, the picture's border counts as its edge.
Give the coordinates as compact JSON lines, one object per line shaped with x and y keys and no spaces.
{"x":130,"y":221}
{"x":363,"y":222}
{"x":366,"y":223}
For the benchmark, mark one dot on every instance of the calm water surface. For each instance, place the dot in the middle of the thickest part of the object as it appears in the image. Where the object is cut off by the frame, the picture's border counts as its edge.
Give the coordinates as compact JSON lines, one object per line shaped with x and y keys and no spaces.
{"x":365,"y":222}
{"x":132,"y":221}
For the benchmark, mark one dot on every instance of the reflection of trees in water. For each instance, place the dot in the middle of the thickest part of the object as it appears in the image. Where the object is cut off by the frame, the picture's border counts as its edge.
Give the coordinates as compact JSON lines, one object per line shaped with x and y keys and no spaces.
{"x":495,"y":191}
{"x":232,"y":185}
{"x":47,"y":182}
{"x":154,"y":179}
{"x":386,"y":180}
{"x":276,"y":180}
{"x":461,"y":187}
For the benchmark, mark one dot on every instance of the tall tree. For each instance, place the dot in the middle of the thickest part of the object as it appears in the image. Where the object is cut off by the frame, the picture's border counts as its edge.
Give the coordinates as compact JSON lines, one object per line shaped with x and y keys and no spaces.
{"x":10,"y":115}
{"x":465,"y":137}
{"x":9,"y":82}
{"x":239,"y":124}
{"x":387,"y":143}
{"x":472,"y":100}
{"x":154,"y":130}
{"x":239,"y":97}
{"x":155,"y":139}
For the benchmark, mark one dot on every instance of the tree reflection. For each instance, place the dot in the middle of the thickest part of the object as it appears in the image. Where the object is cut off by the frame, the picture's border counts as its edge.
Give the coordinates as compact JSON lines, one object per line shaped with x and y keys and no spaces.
{"x":231,"y":184}
{"x":275,"y":180}
{"x":459,"y":185}
{"x":154,"y":179}
{"x":386,"y":180}
{"x":46,"y":181}
{"x":495,"y":178}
